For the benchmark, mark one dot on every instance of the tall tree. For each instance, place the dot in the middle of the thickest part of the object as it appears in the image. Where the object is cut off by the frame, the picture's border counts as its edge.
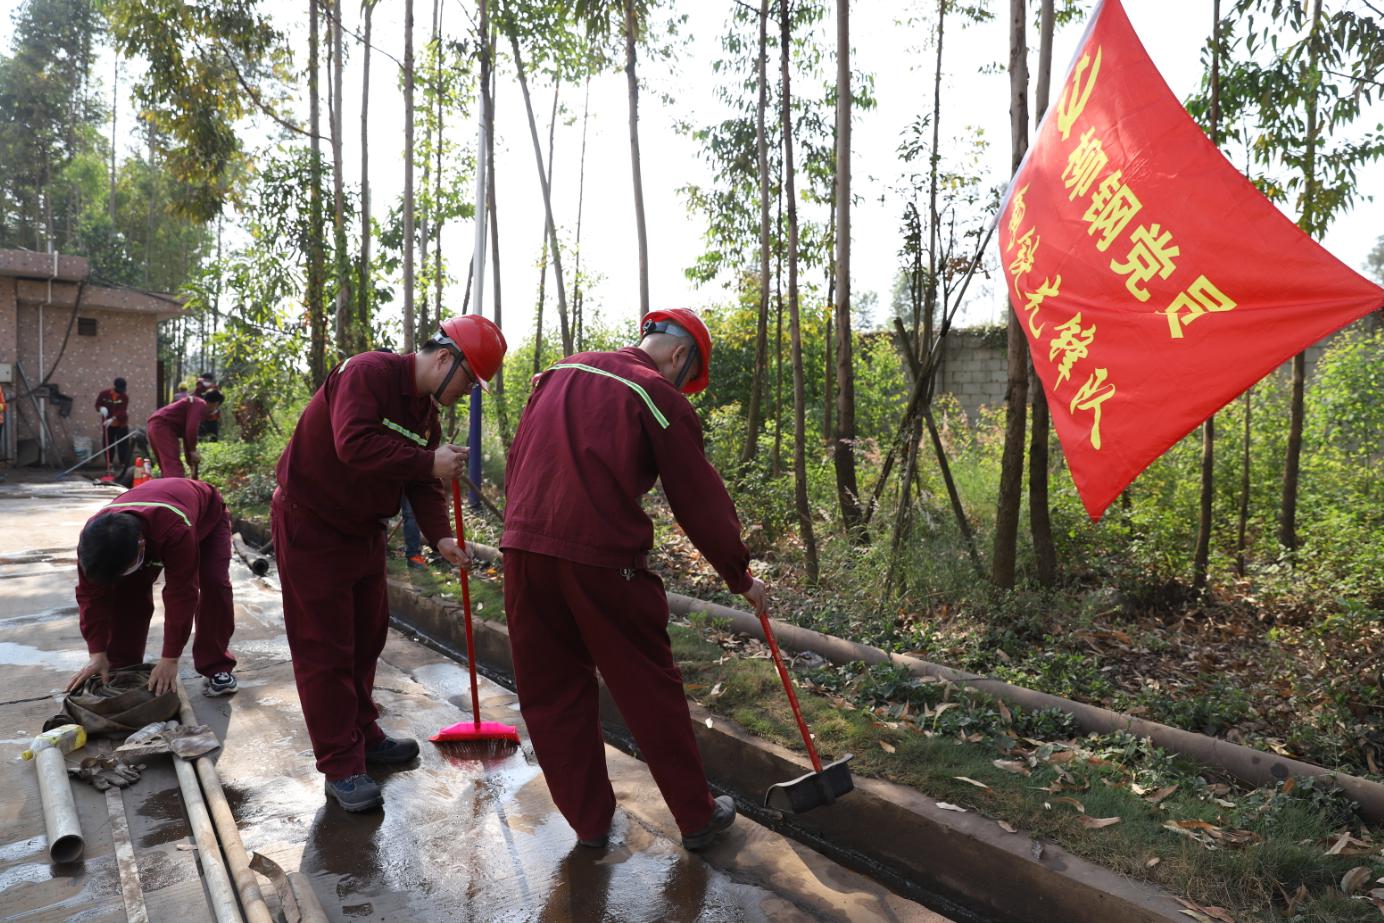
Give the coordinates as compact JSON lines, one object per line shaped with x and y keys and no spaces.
{"x":752,"y":417}
{"x":1015,"y":401}
{"x":346,"y":340}
{"x":1039,"y":516}
{"x":791,"y":201}
{"x":317,"y":309}
{"x":409,"y":319}
{"x":844,"y":444}
{"x":636,"y":169}
{"x":363,"y":300}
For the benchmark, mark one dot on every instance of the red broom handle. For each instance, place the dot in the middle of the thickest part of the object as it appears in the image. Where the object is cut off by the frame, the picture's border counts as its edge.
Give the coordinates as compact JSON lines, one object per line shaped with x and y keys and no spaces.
{"x":466,"y":603}
{"x":763,"y":614}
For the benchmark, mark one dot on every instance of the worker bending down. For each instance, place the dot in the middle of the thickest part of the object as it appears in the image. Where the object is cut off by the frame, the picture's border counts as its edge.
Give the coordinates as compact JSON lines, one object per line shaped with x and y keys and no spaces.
{"x":368,"y":437}
{"x":174,"y":526}
{"x":599,"y":429}
{"x":179,"y":420}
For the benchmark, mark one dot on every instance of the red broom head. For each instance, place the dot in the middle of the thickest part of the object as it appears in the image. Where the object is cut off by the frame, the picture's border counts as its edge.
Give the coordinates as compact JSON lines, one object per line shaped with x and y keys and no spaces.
{"x":485,"y":731}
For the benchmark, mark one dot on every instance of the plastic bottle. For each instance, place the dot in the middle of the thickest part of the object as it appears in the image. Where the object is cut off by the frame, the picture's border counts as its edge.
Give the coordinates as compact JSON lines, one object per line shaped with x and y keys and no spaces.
{"x":67,"y":738}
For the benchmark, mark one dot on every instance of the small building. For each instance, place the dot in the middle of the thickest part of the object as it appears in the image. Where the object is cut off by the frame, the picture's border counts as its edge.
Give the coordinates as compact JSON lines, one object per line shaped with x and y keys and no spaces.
{"x":82,"y":336}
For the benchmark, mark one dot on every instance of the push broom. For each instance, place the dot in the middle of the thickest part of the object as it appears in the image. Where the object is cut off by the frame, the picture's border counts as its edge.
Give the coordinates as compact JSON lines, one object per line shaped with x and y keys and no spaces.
{"x":486,"y":733}
{"x":824,"y":784}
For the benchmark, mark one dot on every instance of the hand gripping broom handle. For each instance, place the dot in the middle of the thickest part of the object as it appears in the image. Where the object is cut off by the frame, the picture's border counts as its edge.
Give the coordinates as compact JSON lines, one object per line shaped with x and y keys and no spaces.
{"x":763,"y":614}
{"x":466,"y":603}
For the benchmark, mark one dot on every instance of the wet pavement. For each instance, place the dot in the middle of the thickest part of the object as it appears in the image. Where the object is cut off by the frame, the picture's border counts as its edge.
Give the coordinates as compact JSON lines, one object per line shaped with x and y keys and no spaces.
{"x":460,"y":838}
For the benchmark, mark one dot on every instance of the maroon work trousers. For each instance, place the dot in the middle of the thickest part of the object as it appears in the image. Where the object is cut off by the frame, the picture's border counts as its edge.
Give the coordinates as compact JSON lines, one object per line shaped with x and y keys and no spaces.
{"x":167,"y":450}
{"x":566,"y":621}
{"x":213,"y":622}
{"x":336,"y":615}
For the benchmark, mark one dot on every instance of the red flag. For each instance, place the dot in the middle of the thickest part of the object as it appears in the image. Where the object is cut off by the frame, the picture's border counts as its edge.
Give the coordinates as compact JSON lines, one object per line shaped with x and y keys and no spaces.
{"x":1153,"y":281}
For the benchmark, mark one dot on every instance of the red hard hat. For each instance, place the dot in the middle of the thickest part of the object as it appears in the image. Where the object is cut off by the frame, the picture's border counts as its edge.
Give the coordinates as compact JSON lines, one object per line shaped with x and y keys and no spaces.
{"x":479,"y":340}
{"x":689,"y":321}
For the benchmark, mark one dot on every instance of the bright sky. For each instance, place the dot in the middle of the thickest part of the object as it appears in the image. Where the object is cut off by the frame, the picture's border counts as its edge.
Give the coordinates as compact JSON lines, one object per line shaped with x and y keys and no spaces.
{"x":1173,"y":31}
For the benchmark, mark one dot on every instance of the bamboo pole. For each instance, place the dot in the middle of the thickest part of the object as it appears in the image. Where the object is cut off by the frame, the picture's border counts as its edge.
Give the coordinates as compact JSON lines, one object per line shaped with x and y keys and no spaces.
{"x":219,"y":888}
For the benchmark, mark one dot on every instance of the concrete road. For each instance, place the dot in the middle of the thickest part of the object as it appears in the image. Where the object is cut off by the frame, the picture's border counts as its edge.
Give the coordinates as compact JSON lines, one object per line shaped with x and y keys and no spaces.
{"x":459,"y":839}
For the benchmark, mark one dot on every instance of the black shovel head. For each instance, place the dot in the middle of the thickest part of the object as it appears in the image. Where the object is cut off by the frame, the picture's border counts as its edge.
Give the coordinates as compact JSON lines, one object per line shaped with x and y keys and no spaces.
{"x":812,"y":790}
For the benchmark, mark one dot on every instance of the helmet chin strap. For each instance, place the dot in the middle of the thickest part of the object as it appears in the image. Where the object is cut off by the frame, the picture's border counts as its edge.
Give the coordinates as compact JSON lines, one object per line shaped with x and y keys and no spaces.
{"x":686,"y":368}
{"x":456,"y":364}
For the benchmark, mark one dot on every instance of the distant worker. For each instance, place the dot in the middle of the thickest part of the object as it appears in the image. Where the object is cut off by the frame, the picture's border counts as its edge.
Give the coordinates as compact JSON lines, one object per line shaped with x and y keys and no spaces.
{"x":177,"y":527}
{"x":413,"y":537}
{"x":369,"y":437}
{"x":179,"y":421}
{"x":113,"y":405}
{"x":3,"y":408}
{"x":210,"y":430}
{"x":599,"y":429}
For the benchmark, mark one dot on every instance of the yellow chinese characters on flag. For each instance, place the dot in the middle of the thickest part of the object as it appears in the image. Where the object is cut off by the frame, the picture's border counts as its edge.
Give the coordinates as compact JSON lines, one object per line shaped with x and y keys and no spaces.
{"x":1165,"y":283}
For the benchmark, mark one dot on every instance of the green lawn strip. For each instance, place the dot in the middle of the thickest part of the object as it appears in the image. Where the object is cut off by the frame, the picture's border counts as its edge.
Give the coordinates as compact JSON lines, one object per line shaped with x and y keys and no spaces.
{"x":939,"y":733}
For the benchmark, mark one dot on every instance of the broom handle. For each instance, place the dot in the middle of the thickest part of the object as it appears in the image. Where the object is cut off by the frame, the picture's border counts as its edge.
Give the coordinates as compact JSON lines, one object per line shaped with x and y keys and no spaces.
{"x":466,"y":603}
{"x":763,"y":614}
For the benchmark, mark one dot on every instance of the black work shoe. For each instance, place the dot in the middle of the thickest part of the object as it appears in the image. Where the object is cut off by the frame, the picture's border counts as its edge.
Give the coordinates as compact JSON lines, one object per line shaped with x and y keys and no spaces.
{"x":722,"y":816}
{"x":391,"y":751}
{"x":595,"y":842}
{"x":356,"y":793}
{"x":219,"y":684}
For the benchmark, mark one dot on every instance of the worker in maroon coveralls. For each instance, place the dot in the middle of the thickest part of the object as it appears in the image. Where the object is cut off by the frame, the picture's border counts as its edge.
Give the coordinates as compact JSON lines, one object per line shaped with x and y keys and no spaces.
{"x":176,"y":421}
{"x":599,"y":429}
{"x":177,"y":527}
{"x":113,"y":404}
{"x":368,"y":437}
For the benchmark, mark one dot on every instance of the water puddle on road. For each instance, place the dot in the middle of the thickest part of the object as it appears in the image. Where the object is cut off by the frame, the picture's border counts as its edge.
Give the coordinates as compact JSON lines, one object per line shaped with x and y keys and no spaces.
{"x":22,"y":655}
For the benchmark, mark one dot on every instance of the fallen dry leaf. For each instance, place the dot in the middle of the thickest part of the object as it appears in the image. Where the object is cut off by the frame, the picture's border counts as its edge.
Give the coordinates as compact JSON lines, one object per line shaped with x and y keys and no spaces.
{"x":1097,"y":823}
{"x":886,"y":746}
{"x":1355,"y":879}
{"x":1205,"y":914}
{"x":1162,"y":793}
{"x":1006,"y":827}
{"x":951,"y":807}
{"x":1013,"y":766}
{"x":972,"y":782}
{"x":1071,"y":801}
{"x":1152,"y":862}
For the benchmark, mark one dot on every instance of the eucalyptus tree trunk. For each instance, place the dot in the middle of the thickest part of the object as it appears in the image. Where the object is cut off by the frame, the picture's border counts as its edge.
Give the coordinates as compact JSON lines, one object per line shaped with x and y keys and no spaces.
{"x":844,"y":444}
{"x":488,"y":101}
{"x":1287,"y":523}
{"x":578,"y":289}
{"x":317,"y":320}
{"x":543,"y":257}
{"x":632,"y":79}
{"x":752,"y":421}
{"x":1039,"y":514}
{"x":363,"y":295}
{"x":794,"y":322}
{"x":1202,"y":555}
{"x":1012,"y":462}
{"x":345,"y":332}
{"x":437,"y":177}
{"x":547,"y":198}
{"x":408,"y":241}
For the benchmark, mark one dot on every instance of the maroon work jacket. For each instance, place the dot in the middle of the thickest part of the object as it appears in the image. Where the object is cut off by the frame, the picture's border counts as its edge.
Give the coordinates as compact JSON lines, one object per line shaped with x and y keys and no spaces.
{"x":591,"y":445}
{"x":365,"y":439}
{"x":175,"y":515}
{"x":117,"y":406}
{"x":182,"y":416}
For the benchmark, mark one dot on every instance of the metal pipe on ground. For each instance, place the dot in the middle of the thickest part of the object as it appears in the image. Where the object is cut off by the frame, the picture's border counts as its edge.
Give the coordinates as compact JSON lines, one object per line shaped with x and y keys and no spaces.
{"x":65,"y":841}
{"x":1245,"y":763}
{"x":256,"y":911}
{"x":257,"y":562}
{"x":222,"y":895}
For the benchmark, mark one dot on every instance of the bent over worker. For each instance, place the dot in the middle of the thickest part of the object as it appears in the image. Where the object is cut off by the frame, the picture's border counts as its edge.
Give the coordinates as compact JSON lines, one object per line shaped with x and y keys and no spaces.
{"x":174,"y":526}
{"x":368,"y":437}
{"x":179,"y":420}
{"x":599,"y":429}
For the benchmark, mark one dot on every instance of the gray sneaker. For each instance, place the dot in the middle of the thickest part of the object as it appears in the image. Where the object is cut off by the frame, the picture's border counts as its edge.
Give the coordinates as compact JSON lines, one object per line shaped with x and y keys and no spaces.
{"x":220,"y":684}
{"x":722,"y":816}
{"x":356,"y":793}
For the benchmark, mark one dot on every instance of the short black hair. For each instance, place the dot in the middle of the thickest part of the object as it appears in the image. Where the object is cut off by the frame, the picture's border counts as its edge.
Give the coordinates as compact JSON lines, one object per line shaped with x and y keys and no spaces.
{"x":120,"y":384}
{"x":207,"y":376}
{"x":108,"y":545}
{"x":213,"y":396}
{"x":430,"y":346}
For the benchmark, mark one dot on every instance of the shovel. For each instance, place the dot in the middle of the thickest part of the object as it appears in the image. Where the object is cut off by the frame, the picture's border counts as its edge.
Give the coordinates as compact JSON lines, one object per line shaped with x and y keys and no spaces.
{"x":821,"y":786}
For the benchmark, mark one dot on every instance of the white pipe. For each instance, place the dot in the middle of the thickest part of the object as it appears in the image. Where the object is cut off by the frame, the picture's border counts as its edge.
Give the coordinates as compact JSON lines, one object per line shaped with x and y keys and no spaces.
{"x":65,"y":842}
{"x":226,"y":830}
{"x":223,"y":903}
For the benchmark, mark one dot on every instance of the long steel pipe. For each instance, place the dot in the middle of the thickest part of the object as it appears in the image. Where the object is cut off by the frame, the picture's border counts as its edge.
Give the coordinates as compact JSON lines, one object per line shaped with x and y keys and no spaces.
{"x":65,"y":841}
{"x":251,"y":898}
